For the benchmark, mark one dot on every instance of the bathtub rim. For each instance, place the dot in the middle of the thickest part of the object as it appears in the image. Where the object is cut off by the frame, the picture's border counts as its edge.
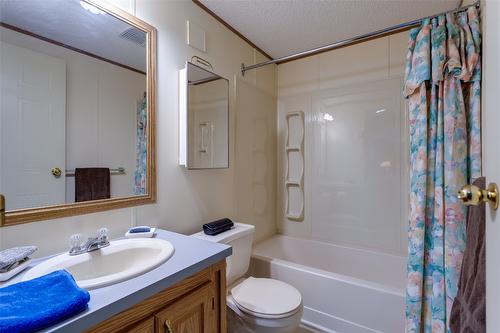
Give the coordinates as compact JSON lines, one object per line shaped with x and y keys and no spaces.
{"x":335,"y":244}
{"x":401,"y":292}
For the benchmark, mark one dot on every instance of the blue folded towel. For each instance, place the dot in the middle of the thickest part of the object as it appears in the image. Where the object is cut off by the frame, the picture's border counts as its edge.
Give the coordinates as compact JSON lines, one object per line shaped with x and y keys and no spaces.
{"x":32,"y":305}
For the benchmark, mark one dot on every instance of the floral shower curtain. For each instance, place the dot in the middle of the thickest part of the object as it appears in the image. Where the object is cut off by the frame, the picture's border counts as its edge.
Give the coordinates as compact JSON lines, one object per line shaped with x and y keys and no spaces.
{"x":443,"y":86}
{"x":141,"y":147}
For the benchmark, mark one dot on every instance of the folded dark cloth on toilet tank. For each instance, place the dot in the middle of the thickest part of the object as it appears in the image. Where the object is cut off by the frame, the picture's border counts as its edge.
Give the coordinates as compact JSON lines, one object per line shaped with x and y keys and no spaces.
{"x":218,"y":226}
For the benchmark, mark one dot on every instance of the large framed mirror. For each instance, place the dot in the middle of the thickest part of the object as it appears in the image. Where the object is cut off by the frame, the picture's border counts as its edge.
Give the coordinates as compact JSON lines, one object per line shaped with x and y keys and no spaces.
{"x":77,"y":109}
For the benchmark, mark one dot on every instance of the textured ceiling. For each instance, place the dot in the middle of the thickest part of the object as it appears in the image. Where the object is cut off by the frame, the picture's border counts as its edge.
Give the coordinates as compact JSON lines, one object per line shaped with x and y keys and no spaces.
{"x":283,"y":27}
{"x":67,"y":22}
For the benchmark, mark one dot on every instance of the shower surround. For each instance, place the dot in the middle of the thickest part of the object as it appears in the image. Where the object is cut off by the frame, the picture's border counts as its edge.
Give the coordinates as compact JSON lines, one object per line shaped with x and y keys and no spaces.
{"x":355,"y":199}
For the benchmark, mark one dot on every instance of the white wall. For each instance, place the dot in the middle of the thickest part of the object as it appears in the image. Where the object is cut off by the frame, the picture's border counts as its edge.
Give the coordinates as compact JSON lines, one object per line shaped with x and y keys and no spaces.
{"x":255,"y":152}
{"x":186,"y":199}
{"x":101,"y":106}
{"x":355,"y":144}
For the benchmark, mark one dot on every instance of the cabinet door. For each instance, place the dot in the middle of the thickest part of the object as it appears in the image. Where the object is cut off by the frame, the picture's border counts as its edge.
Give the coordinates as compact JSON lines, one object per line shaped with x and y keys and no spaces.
{"x":193,"y":313}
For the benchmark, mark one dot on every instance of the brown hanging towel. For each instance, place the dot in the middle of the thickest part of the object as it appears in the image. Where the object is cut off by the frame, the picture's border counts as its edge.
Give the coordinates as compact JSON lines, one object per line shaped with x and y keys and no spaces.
{"x":92,"y":184}
{"x":468,"y":313}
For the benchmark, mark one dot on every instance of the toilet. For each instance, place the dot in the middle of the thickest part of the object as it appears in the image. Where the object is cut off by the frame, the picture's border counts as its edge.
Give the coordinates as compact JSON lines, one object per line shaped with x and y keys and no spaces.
{"x":255,"y":304}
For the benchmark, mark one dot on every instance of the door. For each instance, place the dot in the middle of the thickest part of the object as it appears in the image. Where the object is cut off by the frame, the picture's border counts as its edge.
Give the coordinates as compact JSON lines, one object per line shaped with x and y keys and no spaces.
{"x":491,"y":155}
{"x":194,"y":313}
{"x":32,"y":127}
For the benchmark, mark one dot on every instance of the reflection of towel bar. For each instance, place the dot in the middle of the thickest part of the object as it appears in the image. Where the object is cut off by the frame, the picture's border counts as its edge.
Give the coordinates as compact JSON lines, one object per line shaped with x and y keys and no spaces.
{"x":117,"y":171}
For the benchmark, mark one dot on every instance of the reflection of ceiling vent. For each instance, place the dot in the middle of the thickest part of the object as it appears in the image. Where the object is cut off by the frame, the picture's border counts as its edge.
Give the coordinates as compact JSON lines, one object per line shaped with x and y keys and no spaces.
{"x":134,"y":35}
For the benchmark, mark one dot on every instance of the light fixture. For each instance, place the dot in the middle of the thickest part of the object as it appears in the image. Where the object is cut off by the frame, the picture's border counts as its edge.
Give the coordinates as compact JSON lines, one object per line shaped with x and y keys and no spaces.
{"x":328,"y":117}
{"x":380,"y":111}
{"x":91,"y":8}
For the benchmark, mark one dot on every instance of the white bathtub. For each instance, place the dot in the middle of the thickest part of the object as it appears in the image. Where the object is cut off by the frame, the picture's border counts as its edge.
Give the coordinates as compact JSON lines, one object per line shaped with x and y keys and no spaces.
{"x":344,"y":290}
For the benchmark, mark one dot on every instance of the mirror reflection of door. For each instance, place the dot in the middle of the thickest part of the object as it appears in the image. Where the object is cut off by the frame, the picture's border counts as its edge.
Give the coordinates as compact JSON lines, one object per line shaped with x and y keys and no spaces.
{"x":72,"y":99}
{"x":33,"y":120}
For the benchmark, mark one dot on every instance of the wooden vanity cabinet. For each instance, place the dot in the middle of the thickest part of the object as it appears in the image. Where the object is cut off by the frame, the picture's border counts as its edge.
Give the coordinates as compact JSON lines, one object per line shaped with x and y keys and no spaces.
{"x":145,"y":326}
{"x":191,"y":314}
{"x":194,"y":305}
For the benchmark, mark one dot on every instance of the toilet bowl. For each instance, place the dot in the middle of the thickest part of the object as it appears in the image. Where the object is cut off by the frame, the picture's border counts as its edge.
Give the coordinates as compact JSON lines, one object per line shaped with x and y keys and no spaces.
{"x":255,"y":305}
{"x":263,"y":305}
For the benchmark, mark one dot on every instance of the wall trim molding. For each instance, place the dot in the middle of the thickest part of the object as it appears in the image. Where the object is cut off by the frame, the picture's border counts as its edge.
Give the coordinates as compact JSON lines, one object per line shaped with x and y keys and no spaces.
{"x":69,"y":47}
{"x":231,"y":28}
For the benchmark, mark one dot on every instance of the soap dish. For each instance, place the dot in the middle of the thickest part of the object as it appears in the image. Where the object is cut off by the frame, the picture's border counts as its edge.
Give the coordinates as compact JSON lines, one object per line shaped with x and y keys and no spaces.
{"x":14,"y":271}
{"x":147,"y":234}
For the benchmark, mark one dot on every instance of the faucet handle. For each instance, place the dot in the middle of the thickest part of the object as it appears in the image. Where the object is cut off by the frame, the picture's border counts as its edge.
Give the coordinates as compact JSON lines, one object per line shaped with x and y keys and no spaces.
{"x":102,"y":234}
{"x":75,"y":241}
{"x":102,"y":231}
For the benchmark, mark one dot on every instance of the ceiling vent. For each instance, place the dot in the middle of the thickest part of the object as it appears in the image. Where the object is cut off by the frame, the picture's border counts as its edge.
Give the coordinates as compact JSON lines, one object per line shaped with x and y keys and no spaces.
{"x":135,"y":36}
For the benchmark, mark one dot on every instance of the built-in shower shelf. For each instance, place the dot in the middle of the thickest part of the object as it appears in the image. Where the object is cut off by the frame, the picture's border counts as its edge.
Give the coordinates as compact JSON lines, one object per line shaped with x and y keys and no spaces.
{"x":294,"y":181}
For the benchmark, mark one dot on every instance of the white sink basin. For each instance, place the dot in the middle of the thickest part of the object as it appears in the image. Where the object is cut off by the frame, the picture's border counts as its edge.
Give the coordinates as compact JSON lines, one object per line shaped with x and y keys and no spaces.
{"x":121,"y":260}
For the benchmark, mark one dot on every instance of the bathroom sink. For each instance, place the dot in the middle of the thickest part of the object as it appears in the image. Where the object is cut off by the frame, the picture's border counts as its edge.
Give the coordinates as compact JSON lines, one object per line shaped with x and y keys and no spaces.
{"x":121,"y":260}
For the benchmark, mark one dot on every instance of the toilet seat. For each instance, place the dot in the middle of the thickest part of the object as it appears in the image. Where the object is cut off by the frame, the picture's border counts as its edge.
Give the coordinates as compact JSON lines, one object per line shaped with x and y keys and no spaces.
{"x":266,"y":298}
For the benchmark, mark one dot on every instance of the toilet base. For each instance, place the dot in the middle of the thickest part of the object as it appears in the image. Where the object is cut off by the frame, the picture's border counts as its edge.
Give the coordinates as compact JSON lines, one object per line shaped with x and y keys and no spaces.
{"x":240,"y":322}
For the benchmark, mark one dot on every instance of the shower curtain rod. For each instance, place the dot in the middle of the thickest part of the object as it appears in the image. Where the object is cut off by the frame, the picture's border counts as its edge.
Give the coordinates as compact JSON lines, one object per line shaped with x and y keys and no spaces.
{"x":354,"y":40}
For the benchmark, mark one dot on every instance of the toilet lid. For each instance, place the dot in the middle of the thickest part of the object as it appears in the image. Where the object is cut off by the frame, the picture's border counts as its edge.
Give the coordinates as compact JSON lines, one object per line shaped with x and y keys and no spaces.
{"x":267,"y":297}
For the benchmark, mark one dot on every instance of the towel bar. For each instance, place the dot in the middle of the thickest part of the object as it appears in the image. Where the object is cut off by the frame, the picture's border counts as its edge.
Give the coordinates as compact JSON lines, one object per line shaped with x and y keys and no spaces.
{"x":117,"y":171}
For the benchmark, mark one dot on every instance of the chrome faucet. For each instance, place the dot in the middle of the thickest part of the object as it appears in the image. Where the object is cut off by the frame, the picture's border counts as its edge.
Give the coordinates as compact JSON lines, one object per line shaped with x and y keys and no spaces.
{"x":92,"y":244}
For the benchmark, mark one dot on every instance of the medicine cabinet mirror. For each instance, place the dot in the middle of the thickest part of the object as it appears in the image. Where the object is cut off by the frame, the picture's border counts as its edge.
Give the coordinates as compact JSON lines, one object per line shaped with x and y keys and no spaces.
{"x":77,"y":110}
{"x":204,"y":119}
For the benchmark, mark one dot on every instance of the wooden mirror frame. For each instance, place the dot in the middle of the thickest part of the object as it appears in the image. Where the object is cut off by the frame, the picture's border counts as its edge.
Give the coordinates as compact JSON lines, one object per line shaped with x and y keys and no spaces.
{"x":26,"y":215}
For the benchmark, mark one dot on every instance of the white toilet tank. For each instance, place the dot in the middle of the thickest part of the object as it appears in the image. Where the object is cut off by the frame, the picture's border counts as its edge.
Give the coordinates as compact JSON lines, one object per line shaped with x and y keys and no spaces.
{"x":240,"y":238}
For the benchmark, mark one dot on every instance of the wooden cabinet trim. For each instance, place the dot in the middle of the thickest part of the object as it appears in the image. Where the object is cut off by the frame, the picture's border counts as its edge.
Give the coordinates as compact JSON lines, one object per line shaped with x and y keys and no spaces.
{"x":219,"y":280}
{"x":214,"y":275}
{"x":145,"y":326}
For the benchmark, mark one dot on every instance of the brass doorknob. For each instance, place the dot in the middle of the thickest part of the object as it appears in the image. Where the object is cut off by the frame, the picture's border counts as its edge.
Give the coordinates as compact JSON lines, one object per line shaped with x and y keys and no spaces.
{"x":472,"y":195}
{"x":56,"y":172}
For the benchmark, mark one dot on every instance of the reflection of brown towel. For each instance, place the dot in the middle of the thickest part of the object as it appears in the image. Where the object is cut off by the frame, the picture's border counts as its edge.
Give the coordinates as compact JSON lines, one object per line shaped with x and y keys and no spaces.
{"x":468,"y":313}
{"x":92,"y":184}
